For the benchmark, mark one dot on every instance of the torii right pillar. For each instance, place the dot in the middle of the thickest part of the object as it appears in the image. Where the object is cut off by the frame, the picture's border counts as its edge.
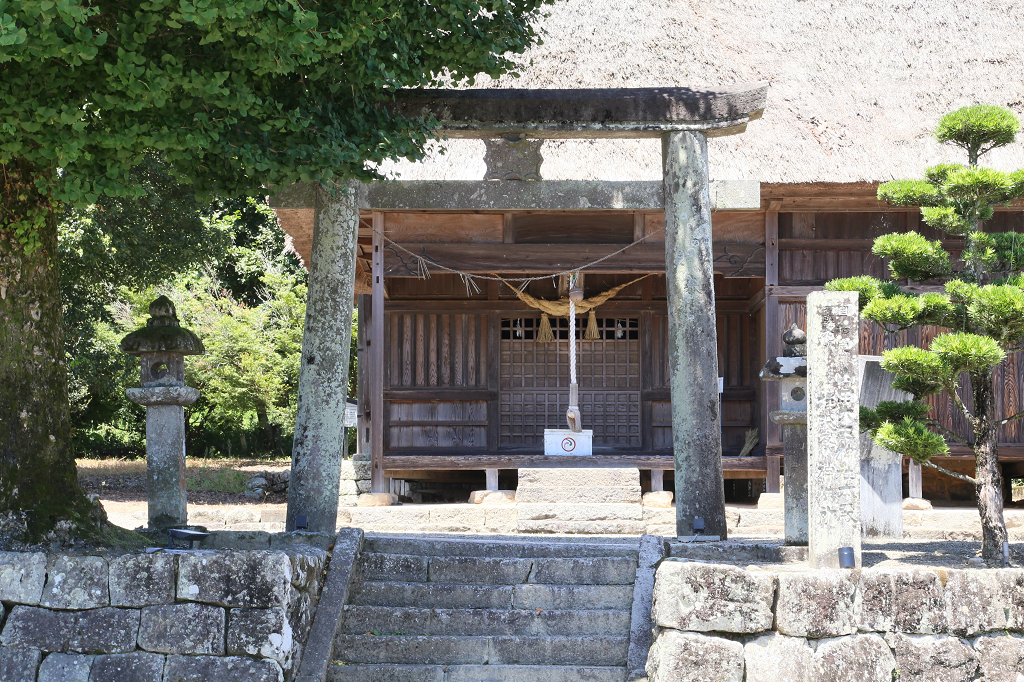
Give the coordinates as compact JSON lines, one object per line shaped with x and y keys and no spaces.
{"x":692,"y":340}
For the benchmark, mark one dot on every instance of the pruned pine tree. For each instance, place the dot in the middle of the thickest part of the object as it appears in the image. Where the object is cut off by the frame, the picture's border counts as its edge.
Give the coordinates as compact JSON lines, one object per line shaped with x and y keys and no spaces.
{"x":981,"y":310}
{"x":235,"y":95}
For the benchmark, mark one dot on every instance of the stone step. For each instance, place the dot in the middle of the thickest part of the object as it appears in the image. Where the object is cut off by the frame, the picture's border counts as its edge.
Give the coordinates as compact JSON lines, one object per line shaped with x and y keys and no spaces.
{"x":458,"y":596}
{"x":445,"y":650}
{"x":498,"y":571}
{"x":474,"y":673}
{"x":496,"y":548}
{"x":360,"y":620}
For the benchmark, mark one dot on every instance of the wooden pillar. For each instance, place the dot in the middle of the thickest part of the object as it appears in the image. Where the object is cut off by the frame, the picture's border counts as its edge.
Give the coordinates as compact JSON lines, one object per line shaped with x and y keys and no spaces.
{"x":323,"y":374}
{"x":692,"y":342}
{"x":376,"y":343}
{"x":362,"y":380}
{"x":657,"y":480}
{"x":833,"y":427}
{"x":772,"y":322}
{"x":914,"y":476}
{"x":771,"y":481}
{"x":492,"y":478}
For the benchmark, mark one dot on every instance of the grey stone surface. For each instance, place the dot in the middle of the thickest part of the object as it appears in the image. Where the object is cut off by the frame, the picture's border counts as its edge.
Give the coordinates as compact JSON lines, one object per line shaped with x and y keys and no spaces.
{"x":431,"y":595}
{"x":22,"y":576}
{"x":693,"y":360}
{"x":558,"y":650}
{"x":794,"y":445}
{"x":65,"y":668}
{"x":138,"y":580}
{"x":687,"y":657}
{"x":513,"y":159}
{"x":652,"y":550}
{"x":405,"y":567}
{"x":217,"y":668}
{"x":577,"y":478}
{"x":1000,"y":657}
{"x":319,"y":644}
{"x":393,"y":673}
{"x":412,"y":649}
{"x":905,"y":600}
{"x":38,"y":628}
{"x":323,"y":374}
{"x":706,"y":598}
{"x":860,"y":658}
{"x":491,"y":547}
{"x":468,"y":570}
{"x":18,"y":665}
{"x":972,"y":602}
{"x":265,"y":633}
{"x":816,"y":604}
{"x":182,"y":629}
{"x":588,"y":495}
{"x":308,"y":564}
{"x":256,"y":579}
{"x":301,"y":538}
{"x":165,"y":463}
{"x":524,"y":622}
{"x":301,"y":610}
{"x":1010,"y":582}
{"x":134,"y":667}
{"x":881,"y":470}
{"x":932,"y":658}
{"x":588,"y":570}
{"x":76,"y":582}
{"x":833,"y":427}
{"x":632,"y":112}
{"x":573,"y":597}
{"x":777,"y":658}
{"x":238,"y":540}
{"x":104,"y":631}
{"x":522,"y":673}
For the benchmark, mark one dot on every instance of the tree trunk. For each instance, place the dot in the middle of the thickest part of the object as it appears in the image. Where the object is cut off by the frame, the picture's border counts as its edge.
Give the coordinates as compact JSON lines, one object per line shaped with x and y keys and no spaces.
{"x":989,"y":486}
{"x":38,"y":477}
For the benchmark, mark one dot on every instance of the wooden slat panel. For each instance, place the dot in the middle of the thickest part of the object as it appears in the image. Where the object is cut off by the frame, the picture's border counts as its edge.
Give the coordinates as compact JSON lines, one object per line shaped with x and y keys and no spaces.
{"x":421,"y":351}
{"x":430,"y":462}
{"x":446,"y":349}
{"x":479,"y":228}
{"x":432,"y":374}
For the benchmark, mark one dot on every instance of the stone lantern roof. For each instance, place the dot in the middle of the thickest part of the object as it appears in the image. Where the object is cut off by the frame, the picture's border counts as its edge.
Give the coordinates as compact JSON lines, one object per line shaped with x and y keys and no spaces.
{"x":162,"y":333}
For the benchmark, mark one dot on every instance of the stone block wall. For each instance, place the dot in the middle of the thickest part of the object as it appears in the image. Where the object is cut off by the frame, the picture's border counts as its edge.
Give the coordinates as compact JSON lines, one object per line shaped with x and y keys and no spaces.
{"x":725,"y":623}
{"x":173,"y":617}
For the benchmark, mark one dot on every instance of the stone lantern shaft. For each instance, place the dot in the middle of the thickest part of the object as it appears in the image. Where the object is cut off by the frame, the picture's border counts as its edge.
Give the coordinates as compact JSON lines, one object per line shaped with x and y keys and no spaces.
{"x":162,"y":346}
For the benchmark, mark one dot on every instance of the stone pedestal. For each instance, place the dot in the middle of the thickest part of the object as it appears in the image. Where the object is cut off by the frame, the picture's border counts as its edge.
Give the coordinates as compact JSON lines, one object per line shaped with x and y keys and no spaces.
{"x":833,"y":427}
{"x":583,"y":501}
{"x":881,"y":470}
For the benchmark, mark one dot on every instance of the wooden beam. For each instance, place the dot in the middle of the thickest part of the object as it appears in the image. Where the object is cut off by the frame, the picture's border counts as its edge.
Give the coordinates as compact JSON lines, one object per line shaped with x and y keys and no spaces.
{"x":376,"y":344}
{"x":772,"y":333}
{"x":431,"y":462}
{"x":730,"y":260}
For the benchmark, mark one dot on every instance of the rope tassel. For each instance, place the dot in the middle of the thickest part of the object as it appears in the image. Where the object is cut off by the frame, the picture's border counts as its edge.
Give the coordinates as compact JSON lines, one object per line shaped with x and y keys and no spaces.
{"x":544,"y":335}
{"x":591,"y":334}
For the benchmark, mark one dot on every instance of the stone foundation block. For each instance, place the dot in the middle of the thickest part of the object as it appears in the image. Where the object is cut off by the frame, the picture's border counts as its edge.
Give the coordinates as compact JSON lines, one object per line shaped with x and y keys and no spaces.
{"x":972,"y":602}
{"x":205,"y":516}
{"x":104,"y":631}
{"x":363,"y":486}
{"x":381,"y":518}
{"x":916,"y":504}
{"x":308,"y":563}
{"x":580,"y":512}
{"x":1011,"y":595}
{"x":238,"y":538}
{"x":347,"y":488}
{"x":261,"y":632}
{"x":65,"y":668}
{"x":771,"y":501}
{"x":18,"y":665}
{"x":22,"y":576}
{"x":182,"y":629}
{"x":931,"y":658}
{"x":1000,"y":657}
{"x":301,"y":610}
{"x":906,"y":600}
{"x":38,"y":628}
{"x":588,"y":495}
{"x":708,"y":597}
{"x":134,"y":667}
{"x":778,"y":658}
{"x":347,"y":501}
{"x":138,"y":580}
{"x":816,"y":604}
{"x":492,"y":497}
{"x":688,"y":657}
{"x":377,"y":500}
{"x":750,"y":518}
{"x":580,"y":527}
{"x":860,"y":658}
{"x":578,"y":478}
{"x":500,"y":519}
{"x":259,"y":579}
{"x":456,"y":518}
{"x":76,"y":582}
{"x":659,"y":499}
{"x":215,"y":668}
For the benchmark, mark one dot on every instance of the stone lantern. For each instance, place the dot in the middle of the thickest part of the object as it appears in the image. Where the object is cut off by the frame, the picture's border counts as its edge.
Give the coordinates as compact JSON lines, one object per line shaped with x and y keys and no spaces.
{"x":790,"y":373}
{"x":162,"y":346}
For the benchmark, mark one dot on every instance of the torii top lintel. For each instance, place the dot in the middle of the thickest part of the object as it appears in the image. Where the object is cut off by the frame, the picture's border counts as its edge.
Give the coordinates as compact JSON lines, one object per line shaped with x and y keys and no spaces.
{"x":586,"y":113}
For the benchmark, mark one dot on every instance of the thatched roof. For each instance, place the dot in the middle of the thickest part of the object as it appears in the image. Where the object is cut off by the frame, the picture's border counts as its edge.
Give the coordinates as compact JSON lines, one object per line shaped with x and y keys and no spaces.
{"x":856,"y":88}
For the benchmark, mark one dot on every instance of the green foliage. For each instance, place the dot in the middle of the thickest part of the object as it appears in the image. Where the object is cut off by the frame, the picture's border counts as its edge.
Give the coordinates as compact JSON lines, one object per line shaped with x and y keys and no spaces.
{"x":961,"y":352}
{"x":868,"y":287}
{"x":978,"y":129}
{"x":890,"y":411}
{"x":909,"y":193}
{"x":911,"y":438}
{"x":998,"y":311}
{"x":918,"y":371}
{"x":912,"y":256}
{"x":235,"y":95}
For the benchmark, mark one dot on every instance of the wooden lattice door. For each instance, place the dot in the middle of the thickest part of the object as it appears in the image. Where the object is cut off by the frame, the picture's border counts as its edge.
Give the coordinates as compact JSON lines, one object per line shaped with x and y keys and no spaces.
{"x":535,"y":381}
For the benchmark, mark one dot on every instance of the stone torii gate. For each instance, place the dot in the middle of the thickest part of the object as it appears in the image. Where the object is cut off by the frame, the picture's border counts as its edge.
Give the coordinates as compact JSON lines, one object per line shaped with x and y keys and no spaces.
{"x":683,"y":119}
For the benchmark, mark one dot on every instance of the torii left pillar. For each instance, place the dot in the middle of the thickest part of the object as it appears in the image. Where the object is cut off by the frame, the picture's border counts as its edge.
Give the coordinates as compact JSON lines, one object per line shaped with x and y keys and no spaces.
{"x":692,"y":341}
{"x":323,"y":374}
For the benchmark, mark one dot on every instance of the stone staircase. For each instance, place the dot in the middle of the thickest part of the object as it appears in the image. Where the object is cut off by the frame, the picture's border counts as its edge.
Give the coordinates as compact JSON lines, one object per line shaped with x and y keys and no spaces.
{"x":464,"y":610}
